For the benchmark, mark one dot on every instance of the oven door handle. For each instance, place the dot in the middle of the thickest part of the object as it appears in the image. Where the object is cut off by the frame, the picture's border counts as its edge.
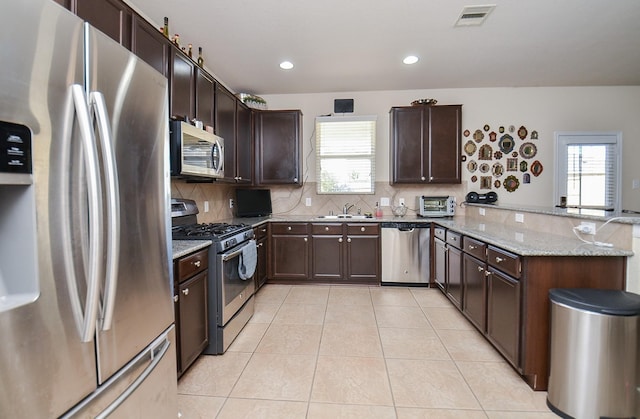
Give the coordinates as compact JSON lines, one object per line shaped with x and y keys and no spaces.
{"x":235,"y":253}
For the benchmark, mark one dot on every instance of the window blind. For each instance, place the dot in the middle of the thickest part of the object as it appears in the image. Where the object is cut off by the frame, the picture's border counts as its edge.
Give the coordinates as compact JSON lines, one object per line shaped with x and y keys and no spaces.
{"x":591,"y":175}
{"x":345,"y":154}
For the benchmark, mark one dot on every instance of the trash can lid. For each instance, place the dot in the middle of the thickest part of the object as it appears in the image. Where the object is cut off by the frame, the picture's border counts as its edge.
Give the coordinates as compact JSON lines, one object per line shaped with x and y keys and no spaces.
{"x":611,"y":302}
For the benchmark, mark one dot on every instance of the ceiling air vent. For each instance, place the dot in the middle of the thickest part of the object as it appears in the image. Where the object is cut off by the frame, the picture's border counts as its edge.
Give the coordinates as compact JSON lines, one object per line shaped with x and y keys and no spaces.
{"x":474,"y":15}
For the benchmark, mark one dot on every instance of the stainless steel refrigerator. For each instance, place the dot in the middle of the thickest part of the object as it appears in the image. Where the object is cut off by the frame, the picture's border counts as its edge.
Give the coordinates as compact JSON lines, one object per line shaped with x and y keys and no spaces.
{"x":86,"y":310}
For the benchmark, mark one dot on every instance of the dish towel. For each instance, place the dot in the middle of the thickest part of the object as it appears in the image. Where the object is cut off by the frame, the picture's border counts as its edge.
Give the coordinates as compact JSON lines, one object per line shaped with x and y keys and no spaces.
{"x":248,"y":260}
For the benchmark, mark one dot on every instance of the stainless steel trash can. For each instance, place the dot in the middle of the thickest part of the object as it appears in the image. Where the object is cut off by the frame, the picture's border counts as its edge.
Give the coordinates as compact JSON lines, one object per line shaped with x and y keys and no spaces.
{"x":595,"y":345}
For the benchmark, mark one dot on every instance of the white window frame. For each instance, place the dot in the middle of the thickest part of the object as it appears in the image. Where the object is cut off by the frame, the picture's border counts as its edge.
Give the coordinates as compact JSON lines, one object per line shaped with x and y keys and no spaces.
{"x":565,"y":138}
{"x":372,"y":156}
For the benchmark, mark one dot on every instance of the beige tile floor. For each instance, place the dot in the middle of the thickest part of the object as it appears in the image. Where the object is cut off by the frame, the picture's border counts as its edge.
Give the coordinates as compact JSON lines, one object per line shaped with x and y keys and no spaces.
{"x":357,"y":352}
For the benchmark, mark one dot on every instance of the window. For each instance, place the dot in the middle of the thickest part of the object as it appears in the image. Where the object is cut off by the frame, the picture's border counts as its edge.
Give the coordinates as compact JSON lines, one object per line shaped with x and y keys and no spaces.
{"x":588,"y":169}
{"x":345,"y":154}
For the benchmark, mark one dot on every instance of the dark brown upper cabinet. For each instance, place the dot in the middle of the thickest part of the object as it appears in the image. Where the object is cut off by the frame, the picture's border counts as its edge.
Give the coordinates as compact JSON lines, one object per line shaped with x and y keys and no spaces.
{"x":278,"y":150}
{"x":205,"y":88}
{"x":225,"y":124}
{"x":244,"y":145}
{"x":425,"y":144}
{"x":113,"y":17}
{"x":150,"y":45}
{"x":182,"y":82}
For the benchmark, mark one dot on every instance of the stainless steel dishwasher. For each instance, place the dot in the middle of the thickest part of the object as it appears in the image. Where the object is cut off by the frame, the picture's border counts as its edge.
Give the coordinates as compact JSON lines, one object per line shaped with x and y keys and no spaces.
{"x":405,"y":253}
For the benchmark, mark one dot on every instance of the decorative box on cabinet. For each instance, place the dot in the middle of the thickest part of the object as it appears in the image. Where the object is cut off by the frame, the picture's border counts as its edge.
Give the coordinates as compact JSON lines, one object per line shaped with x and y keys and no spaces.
{"x":425,"y":144}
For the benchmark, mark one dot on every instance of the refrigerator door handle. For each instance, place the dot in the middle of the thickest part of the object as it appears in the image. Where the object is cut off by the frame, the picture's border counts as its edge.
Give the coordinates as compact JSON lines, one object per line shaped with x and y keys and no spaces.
{"x":96,"y":99}
{"x":156,"y":355}
{"x":87,"y":320}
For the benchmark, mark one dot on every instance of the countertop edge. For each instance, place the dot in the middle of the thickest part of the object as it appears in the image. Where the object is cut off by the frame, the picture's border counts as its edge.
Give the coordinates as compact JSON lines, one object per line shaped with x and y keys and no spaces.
{"x":184,"y":247}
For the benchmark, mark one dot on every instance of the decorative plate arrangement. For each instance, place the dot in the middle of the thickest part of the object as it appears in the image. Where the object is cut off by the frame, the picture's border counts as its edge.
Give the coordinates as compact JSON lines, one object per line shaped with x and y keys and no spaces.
{"x":472,"y":166}
{"x":528,"y":150}
{"x":522,"y":132}
{"x":493,"y":136}
{"x":511,"y":183}
{"x":486,"y":127}
{"x":534,"y":135}
{"x":485,"y":153}
{"x":498,"y":169}
{"x":485,"y":182}
{"x":497,"y":183}
{"x":470,"y":147}
{"x":474,"y":178}
{"x":424,"y":102}
{"x":497,"y":155}
{"x":466,"y":133}
{"x":512,"y":165}
{"x":478,"y":136}
{"x":484,"y":167}
{"x":526,"y":178}
{"x":536,"y":168}
{"x":523,"y":166}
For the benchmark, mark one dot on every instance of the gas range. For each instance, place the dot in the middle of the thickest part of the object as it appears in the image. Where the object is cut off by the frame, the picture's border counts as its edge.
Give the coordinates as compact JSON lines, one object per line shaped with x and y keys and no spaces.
{"x":185,"y":227}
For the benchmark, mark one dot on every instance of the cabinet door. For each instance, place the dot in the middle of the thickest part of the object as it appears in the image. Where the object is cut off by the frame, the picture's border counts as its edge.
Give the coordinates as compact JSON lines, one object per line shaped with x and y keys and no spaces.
{"x":182,"y":85}
{"x":204,"y":97}
{"x":363,"y":259}
{"x":439,"y":264}
{"x":278,"y":150}
{"x":503,"y":314}
{"x":112,"y":17}
{"x":474,"y":298}
{"x":454,"y":276}
{"x":443,"y":153}
{"x":407,"y":145}
{"x":289,"y":257}
{"x":226,"y":128}
{"x":193,"y":319}
{"x":261,"y":270}
{"x":327,"y":257}
{"x":244,"y":150}
{"x":150,"y":45}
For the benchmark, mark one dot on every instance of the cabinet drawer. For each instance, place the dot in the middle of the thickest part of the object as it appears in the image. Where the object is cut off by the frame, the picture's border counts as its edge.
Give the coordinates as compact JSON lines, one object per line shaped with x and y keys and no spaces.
{"x":505,"y":261}
{"x":363,"y":229}
{"x":260,"y":231}
{"x":192,"y":264}
{"x":474,"y":247}
{"x":330,"y":229}
{"x":454,"y":239}
{"x":440,"y":233}
{"x":289,"y":228}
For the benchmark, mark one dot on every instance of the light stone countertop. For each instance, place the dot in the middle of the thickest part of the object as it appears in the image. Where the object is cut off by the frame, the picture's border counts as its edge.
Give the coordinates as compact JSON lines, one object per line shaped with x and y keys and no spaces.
{"x":184,"y":247}
{"x":586,"y":214}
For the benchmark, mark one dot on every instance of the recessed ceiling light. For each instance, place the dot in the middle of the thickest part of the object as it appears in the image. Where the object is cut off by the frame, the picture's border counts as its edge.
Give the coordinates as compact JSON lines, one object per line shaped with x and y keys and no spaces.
{"x":286,"y":65}
{"x":410,"y":59}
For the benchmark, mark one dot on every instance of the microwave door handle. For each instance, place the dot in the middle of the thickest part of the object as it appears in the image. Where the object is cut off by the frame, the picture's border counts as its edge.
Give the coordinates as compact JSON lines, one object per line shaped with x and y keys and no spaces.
{"x":87,"y":320}
{"x":113,"y":208}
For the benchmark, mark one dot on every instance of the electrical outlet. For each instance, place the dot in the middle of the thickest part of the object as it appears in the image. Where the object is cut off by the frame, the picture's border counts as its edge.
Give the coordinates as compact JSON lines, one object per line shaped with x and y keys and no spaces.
{"x":400,"y":201}
{"x":307,"y":202}
{"x":519,"y":218}
{"x":384,"y":202}
{"x":635,"y":184}
{"x":231,"y":203}
{"x":481,"y":211}
{"x":206,"y":206}
{"x":587,"y":228}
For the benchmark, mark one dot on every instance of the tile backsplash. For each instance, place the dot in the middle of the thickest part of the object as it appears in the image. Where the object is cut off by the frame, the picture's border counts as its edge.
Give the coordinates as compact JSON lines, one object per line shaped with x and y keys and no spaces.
{"x":290,"y":200}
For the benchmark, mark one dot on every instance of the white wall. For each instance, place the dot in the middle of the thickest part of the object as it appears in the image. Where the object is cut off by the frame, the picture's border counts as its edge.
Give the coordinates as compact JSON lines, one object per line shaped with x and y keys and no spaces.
{"x":545,"y":109}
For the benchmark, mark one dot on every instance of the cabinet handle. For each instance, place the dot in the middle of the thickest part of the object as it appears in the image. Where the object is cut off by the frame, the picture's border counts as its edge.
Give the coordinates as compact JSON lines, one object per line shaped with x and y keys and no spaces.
{"x":306,"y":239}
{"x":362,"y":229}
{"x":487,"y":274}
{"x":472,"y":247}
{"x":480,"y":269}
{"x":264,"y":230}
{"x":349,"y":240}
{"x":175,"y":298}
{"x":326,"y":229}
{"x":340,"y":240}
{"x":197,"y":263}
{"x":295,"y":179}
{"x":289,"y":228}
{"x":423,"y":178}
{"x":185,"y":291}
{"x":499,"y":259}
{"x":430,"y":177}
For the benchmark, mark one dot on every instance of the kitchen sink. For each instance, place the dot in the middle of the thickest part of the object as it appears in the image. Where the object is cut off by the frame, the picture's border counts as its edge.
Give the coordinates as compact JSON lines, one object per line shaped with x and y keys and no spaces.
{"x":340,"y":216}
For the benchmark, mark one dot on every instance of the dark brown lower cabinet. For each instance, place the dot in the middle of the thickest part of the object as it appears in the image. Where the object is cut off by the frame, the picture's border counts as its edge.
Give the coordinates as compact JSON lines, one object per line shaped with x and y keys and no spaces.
{"x":260,"y":233}
{"x":454,"y":276}
{"x":363,"y":253}
{"x":289,"y":250}
{"x":440,"y":264}
{"x":475,"y":291}
{"x":503,"y":314}
{"x":327,"y":252}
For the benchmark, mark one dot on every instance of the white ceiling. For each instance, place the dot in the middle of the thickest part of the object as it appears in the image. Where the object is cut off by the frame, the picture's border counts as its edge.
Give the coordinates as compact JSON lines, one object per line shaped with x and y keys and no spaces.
{"x":358,"y":45}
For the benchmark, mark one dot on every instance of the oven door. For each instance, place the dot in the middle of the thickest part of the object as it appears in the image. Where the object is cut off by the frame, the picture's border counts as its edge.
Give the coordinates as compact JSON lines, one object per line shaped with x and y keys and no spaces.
{"x":235,"y":291}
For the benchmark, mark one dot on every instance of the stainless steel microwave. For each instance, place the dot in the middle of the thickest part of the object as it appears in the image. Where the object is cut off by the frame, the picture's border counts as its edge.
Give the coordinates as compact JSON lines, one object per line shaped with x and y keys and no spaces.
{"x":436,"y":206}
{"x":195,"y":152}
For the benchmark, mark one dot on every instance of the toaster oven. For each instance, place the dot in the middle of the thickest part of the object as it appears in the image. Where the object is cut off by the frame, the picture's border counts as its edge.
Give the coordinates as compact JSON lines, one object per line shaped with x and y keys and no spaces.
{"x":436,"y":206}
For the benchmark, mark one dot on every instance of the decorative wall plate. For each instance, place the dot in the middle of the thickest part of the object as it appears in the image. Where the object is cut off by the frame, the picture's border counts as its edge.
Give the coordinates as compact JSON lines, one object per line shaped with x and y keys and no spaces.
{"x":526,"y":178}
{"x":534,"y":135}
{"x":470,"y":147}
{"x":466,"y":133}
{"x":514,"y":154}
{"x":506,"y":143}
{"x":472,"y":166}
{"x":522,"y":132}
{"x":536,"y":168}
{"x":528,"y":150}
{"x":501,"y":129}
{"x":498,"y":169}
{"x":523,"y":166}
{"x":478,"y":136}
{"x":512,"y":128}
{"x":485,"y":152}
{"x":484,"y":167}
{"x":492,"y":136}
{"x":512,"y":165}
{"x":511,"y":183}
{"x":485,"y":182}
{"x":474,"y":178}
{"x":497,"y":183}
{"x":463,"y":158}
{"x":486,"y":127}
{"x":497,"y":155}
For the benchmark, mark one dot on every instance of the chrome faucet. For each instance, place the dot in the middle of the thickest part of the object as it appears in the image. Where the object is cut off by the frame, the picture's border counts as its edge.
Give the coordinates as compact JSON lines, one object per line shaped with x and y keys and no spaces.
{"x":346,"y":208}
